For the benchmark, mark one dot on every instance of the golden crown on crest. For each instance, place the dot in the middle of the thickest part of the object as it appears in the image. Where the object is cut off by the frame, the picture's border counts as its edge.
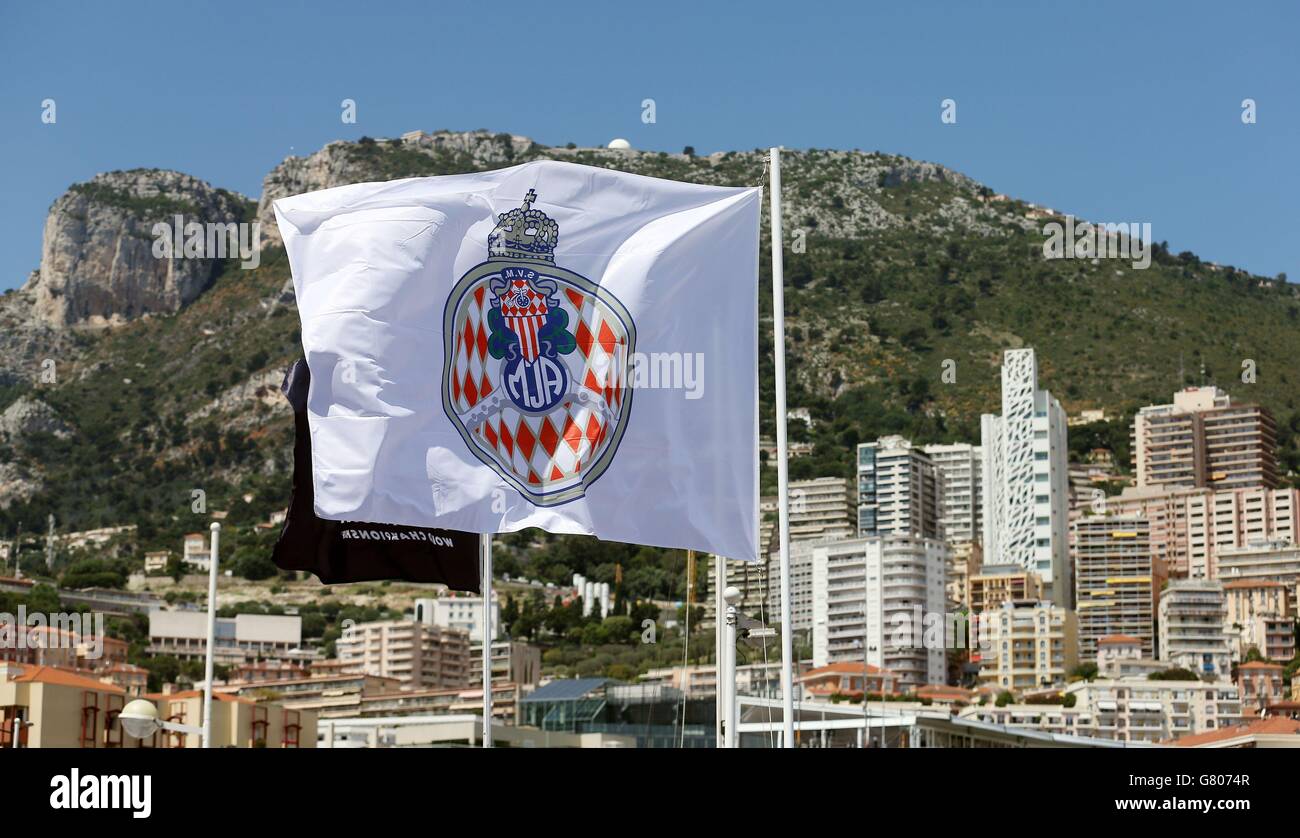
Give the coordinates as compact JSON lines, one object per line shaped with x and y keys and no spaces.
{"x":524,"y":233}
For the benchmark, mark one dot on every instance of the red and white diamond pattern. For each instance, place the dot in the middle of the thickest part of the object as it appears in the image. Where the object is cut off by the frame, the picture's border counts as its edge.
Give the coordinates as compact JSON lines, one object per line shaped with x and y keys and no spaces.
{"x":547,"y":453}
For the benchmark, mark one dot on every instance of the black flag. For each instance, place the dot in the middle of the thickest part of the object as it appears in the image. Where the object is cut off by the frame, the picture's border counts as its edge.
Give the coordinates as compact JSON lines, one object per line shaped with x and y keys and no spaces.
{"x":347,"y":551}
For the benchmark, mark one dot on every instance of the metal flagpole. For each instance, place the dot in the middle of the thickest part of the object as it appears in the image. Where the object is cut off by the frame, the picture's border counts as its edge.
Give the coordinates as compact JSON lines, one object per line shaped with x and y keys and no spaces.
{"x":485,"y":549}
{"x":782,"y":471}
{"x":214,"y":549}
{"x":720,"y":649}
{"x":731,"y":596}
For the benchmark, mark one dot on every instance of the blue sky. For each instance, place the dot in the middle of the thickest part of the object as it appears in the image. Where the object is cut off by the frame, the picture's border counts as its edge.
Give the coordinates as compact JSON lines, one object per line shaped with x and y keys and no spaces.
{"x":1112,"y":111}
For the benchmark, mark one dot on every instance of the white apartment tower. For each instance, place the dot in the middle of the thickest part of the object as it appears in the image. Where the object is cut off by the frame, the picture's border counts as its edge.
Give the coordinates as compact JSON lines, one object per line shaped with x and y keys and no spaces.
{"x":1194,"y":631}
{"x":961,"y":490}
{"x":899,"y":490}
{"x":898,"y":582}
{"x":1026,"y":479}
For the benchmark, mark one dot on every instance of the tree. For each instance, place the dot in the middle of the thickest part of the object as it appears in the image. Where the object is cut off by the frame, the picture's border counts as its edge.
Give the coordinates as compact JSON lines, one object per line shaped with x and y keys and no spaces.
{"x":1084,"y":672}
{"x":255,"y":567}
{"x":1174,"y":674}
{"x":92,"y":573}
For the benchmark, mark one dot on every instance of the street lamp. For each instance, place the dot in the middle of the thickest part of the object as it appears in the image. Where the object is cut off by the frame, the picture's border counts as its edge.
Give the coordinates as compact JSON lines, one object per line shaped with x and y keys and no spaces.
{"x":140,"y":717}
{"x":140,"y":721}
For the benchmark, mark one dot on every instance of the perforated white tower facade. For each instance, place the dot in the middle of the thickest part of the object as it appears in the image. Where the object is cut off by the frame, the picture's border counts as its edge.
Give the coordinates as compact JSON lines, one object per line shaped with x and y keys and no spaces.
{"x":1026,"y":479}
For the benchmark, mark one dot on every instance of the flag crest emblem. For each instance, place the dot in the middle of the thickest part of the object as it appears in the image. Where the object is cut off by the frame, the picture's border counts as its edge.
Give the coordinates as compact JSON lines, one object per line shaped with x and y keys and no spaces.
{"x":537,"y":363}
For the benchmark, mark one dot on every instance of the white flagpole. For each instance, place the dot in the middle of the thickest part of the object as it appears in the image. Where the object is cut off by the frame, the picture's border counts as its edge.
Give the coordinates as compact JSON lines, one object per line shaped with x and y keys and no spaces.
{"x":208,"y":657}
{"x":782,"y":472}
{"x":731,"y":596}
{"x":485,"y":549}
{"x":720,"y":653}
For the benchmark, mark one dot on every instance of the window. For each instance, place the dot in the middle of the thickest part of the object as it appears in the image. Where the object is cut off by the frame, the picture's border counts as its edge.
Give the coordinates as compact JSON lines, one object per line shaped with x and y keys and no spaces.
{"x":89,"y":718}
{"x":292,"y":729}
{"x":259,"y":727}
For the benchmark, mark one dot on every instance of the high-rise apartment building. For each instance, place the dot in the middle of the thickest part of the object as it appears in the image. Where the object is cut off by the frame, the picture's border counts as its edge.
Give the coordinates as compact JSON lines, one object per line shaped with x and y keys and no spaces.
{"x":899,"y":583}
{"x":1118,"y":581}
{"x":821,"y":508}
{"x":1189,"y":524}
{"x":1026,"y":481}
{"x":1236,"y":518}
{"x":1202,"y":439}
{"x":964,"y":558}
{"x":419,"y":654}
{"x":1277,"y":561}
{"x":899,"y":490}
{"x":1165,"y":509}
{"x":961,"y":490}
{"x":1027,"y":645}
{"x":1193,"y":628}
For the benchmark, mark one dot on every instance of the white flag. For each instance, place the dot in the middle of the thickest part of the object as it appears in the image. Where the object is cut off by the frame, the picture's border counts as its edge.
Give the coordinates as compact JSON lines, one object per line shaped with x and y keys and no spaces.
{"x":549,"y":345}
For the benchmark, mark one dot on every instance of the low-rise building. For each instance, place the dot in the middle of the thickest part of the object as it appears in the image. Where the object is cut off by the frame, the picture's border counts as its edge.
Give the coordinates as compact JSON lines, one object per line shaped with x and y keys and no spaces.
{"x":1046,"y":718}
{"x":336,"y":695}
{"x":1027,"y":645}
{"x":156,"y":561}
{"x":1258,"y":612}
{"x":993,"y":585}
{"x":701,"y":680}
{"x":1120,"y":656}
{"x":1273,"y":732}
{"x":1143,"y":710}
{"x":134,"y":680}
{"x":846,"y":680}
{"x":243,"y":638}
{"x":58,"y":708}
{"x":1260,"y":684}
{"x":195,"y":553}
{"x":237,"y":722}
{"x":513,"y":661}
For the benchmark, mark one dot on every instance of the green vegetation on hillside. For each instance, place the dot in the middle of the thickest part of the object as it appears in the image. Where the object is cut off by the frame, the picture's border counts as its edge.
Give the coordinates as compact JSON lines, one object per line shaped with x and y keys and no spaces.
{"x":934,"y":272}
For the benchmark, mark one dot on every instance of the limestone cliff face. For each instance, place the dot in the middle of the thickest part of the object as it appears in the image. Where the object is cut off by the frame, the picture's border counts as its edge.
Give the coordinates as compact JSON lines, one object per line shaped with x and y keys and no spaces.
{"x":97,"y":262}
{"x":416,"y":153}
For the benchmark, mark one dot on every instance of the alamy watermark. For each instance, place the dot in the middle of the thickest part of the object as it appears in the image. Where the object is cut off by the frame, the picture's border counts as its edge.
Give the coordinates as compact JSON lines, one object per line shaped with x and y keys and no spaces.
{"x":183,"y":239}
{"x":1103,"y":240}
{"x":922,"y":629}
{"x":83,"y":633}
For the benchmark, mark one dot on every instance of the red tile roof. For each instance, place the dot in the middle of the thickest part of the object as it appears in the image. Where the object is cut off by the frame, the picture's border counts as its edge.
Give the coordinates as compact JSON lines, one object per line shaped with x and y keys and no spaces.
{"x":65,"y":678}
{"x":1272,"y":725}
{"x":847,"y":668}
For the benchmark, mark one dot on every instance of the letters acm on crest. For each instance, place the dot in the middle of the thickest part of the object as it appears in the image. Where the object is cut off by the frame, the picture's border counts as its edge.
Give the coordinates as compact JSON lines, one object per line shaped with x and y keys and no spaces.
{"x":536,"y":374}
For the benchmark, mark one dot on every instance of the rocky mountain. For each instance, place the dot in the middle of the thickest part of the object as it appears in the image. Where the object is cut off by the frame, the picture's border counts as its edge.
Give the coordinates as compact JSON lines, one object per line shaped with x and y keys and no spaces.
{"x":99,"y":267}
{"x":98,"y":261}
{"x":165,"y":371}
